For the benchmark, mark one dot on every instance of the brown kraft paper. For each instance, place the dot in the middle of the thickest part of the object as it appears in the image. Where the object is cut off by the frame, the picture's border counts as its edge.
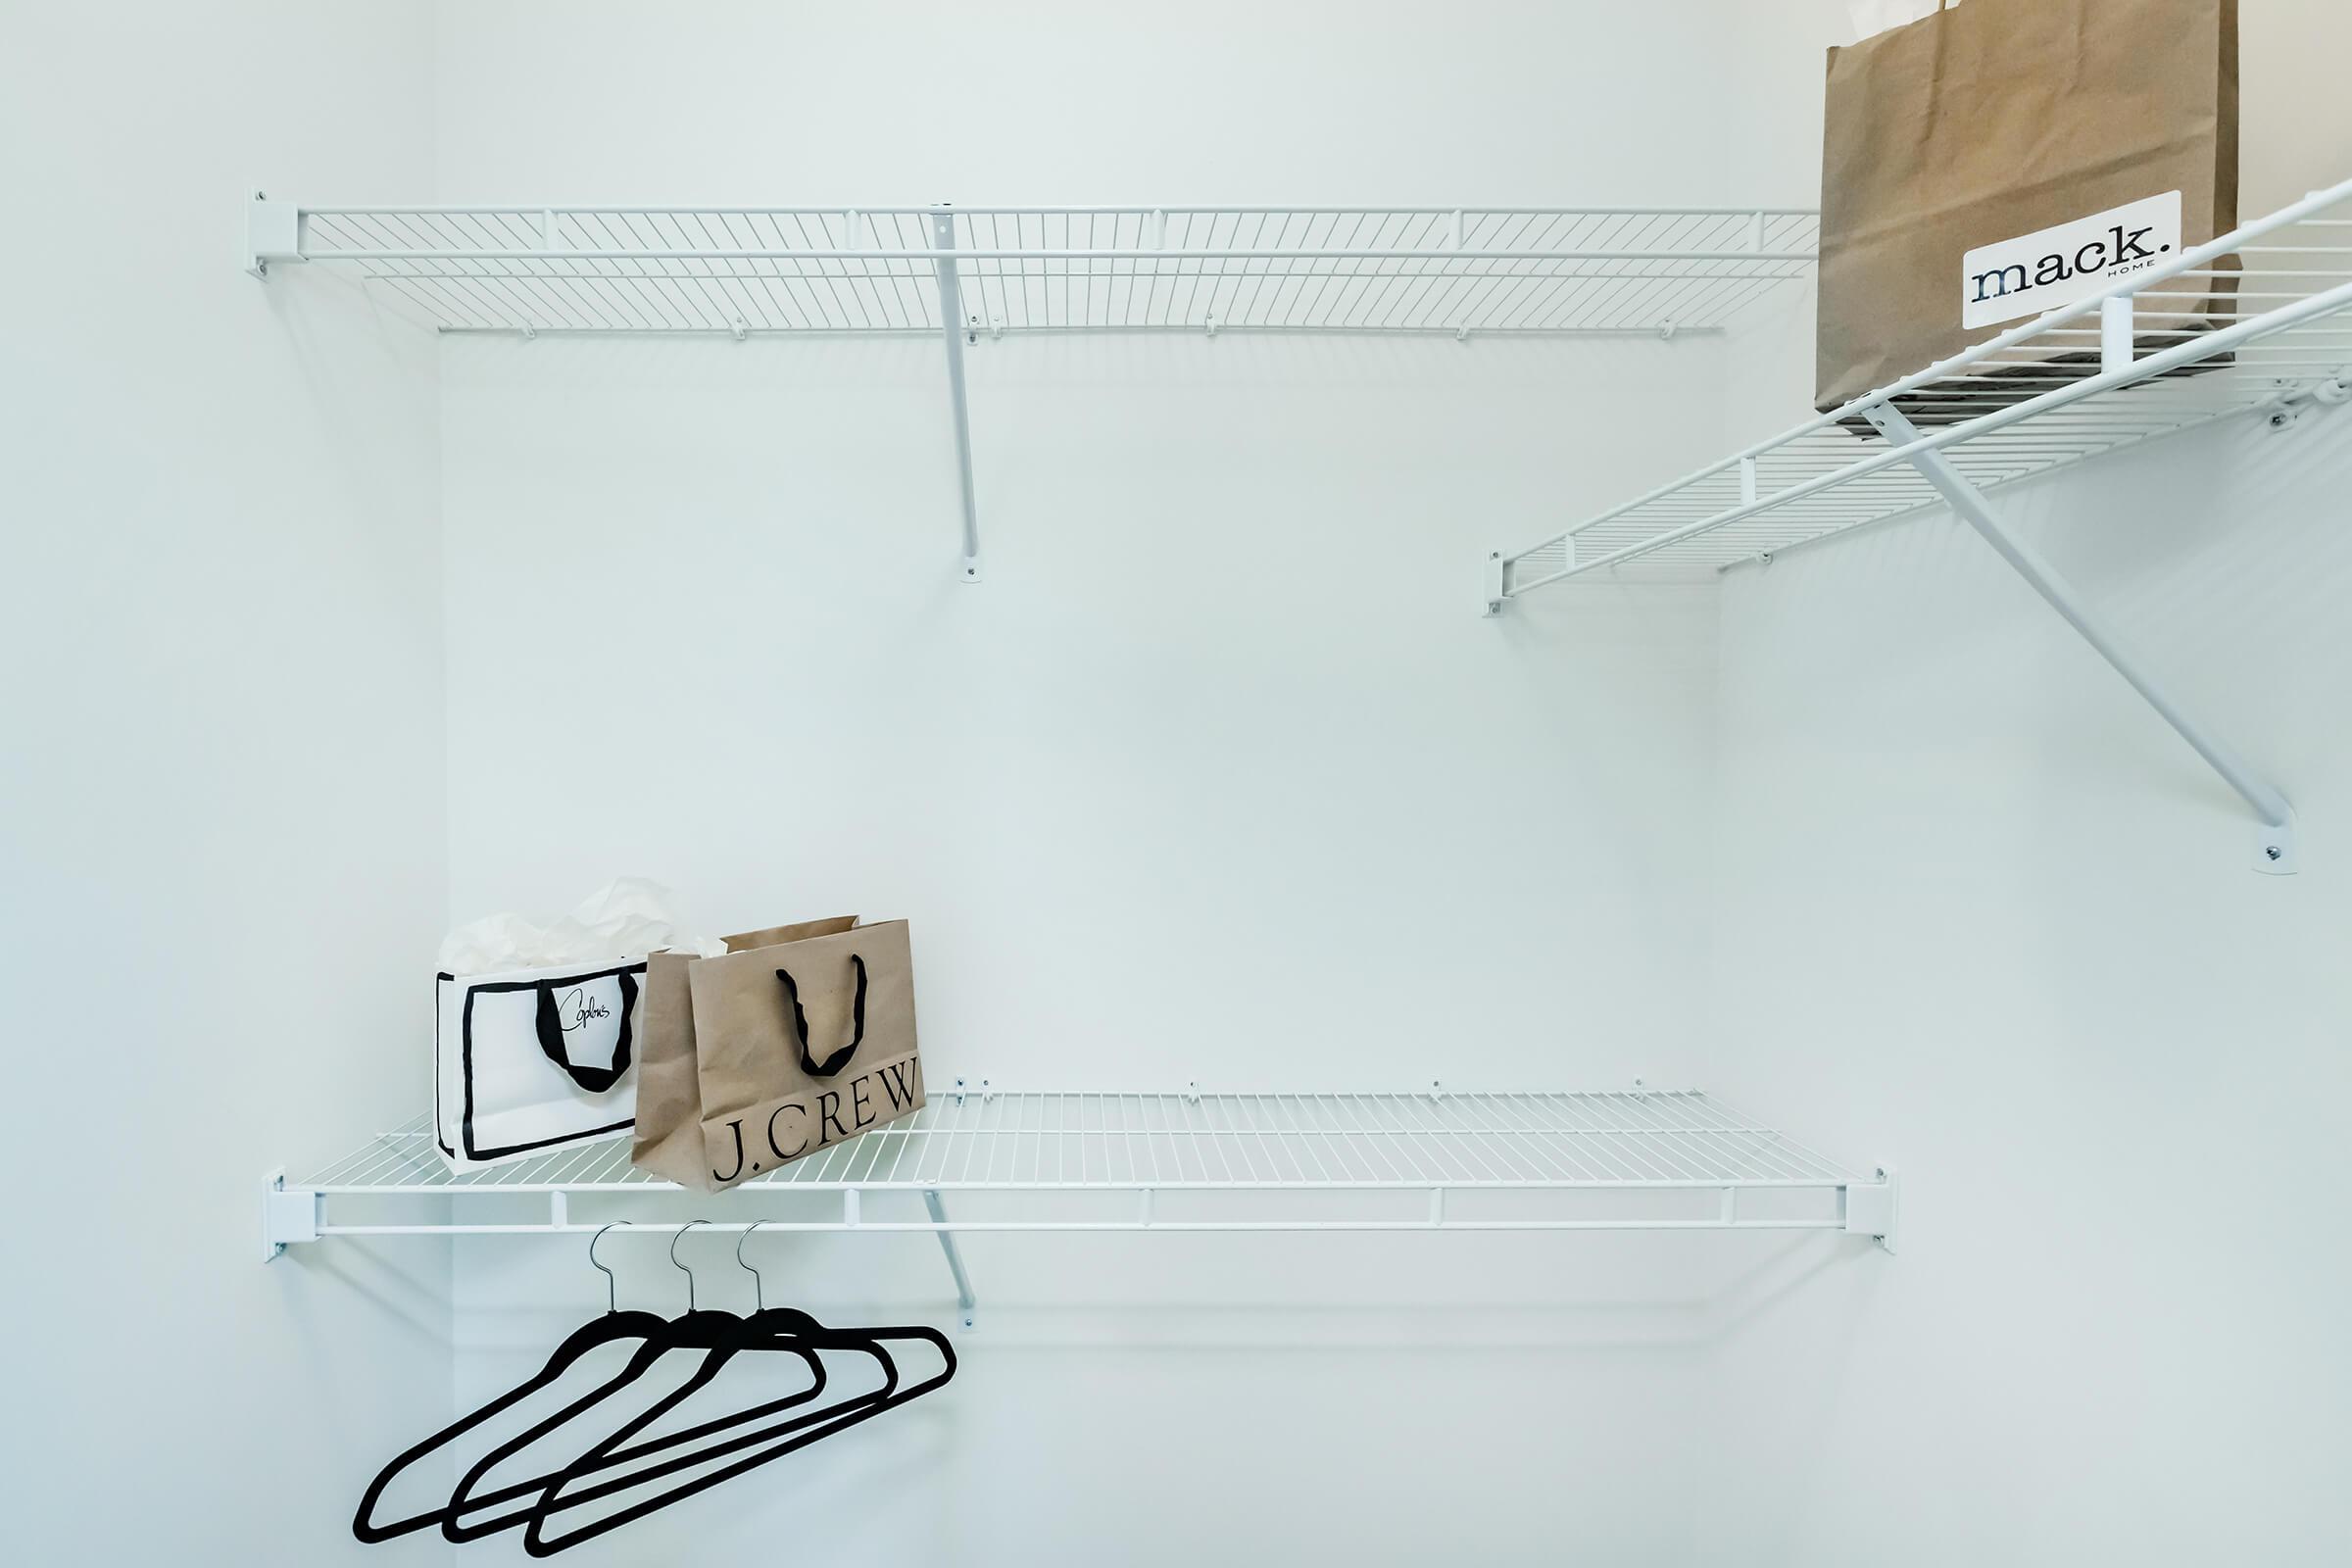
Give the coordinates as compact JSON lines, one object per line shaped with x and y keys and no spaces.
{"x":799,"y":1036}
{"x":670,"y":1139}
{"x":1998,"y":119}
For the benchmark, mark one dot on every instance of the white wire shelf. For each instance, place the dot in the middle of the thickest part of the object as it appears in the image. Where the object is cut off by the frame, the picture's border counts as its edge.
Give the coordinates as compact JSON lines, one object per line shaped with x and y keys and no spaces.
{"x":1252,"y":1161}
{"x":1514,"y":271}
{"x":2279,"y":347}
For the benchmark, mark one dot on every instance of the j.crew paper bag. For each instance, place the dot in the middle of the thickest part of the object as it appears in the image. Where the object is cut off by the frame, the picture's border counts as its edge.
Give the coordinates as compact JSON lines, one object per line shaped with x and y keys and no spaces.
{"x":795,"y":1038}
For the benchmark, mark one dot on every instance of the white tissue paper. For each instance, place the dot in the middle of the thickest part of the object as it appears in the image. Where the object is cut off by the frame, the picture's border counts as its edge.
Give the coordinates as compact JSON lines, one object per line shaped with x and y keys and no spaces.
{"x":1874,"y":17}
{"x":625,"y":918}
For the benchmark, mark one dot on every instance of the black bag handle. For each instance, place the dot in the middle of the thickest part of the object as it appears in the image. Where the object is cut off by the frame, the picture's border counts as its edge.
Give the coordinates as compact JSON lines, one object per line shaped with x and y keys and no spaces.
{"x":596,"y":1080}
{"x":800,"y":1024}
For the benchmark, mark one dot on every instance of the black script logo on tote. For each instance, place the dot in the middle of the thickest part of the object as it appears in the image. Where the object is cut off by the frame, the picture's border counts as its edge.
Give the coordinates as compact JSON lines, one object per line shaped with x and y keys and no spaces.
{"x":577,"y":1008}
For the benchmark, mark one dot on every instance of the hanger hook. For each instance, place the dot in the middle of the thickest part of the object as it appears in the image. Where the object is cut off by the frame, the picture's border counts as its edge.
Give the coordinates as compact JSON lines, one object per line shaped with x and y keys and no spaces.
{"x":680,"y":1267}
{"x":611,"y":1285}
{"x":759,"y":1284}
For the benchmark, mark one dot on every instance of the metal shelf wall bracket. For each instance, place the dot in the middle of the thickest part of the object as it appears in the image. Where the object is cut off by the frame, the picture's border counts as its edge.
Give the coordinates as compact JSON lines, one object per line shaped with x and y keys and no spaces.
{"x":966,"y":1303}
{"x":273,"y":234}
{"x":1873,"y":1208}
{"x":2274,"y":853}
{"x":951,"y":329}
{"x":287,"y":1215}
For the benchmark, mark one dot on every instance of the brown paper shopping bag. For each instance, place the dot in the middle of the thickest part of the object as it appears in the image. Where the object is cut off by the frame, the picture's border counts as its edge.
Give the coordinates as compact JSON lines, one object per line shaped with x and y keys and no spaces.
{"x":793,"y":1040}
{"x":2004,"y":158}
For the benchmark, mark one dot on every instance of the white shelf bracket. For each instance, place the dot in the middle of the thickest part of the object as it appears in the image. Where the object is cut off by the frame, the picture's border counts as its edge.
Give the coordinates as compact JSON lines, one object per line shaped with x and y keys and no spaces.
{"x":951,"y":327}
{"x":2274,"y":852}
{"x":1490,"y":596}
{"x":966,"y":1303}
{"x":273,"y":234}
{"x":1872,"y":1207}
{"x":2117,"y":346}
{"x":288,"y":1216}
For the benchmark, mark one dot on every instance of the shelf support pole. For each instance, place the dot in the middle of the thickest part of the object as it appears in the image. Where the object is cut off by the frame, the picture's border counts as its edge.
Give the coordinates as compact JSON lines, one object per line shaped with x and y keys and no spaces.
{"x":951,"y":323}
{"x":966,"y":1301}
{"x":2275,"y":840}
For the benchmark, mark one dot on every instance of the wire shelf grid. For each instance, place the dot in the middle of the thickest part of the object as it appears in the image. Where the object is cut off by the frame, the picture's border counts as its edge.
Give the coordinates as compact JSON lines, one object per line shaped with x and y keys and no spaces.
{"x":2269,"y":338}
{"x":1520,"y":271}
{"x":1037,"y":1141}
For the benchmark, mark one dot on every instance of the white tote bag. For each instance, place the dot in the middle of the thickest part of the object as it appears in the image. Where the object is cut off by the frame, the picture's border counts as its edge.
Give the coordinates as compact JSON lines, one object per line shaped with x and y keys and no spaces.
{"x":531,"y":1061}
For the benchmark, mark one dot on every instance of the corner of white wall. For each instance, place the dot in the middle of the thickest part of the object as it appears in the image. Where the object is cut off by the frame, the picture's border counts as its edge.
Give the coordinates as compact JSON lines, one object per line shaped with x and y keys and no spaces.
{"x":223,"y":834}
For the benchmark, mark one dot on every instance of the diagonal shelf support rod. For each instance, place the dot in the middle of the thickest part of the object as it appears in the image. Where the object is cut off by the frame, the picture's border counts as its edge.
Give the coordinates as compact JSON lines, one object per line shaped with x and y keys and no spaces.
{"x":966,"y":1301}
{"x":2275,"y":840}
{"x":951,"y":325}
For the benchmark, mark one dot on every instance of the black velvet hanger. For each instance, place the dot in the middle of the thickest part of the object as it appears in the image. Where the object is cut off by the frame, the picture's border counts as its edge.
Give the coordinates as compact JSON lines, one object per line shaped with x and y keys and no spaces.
{"x":764,"y":1324}
{"x":768,"y":1444}
{"x":713,"y":1331}
{"x":659,"y":1332}
{"x":613,"y":1326}
{"x":721,"y":1333}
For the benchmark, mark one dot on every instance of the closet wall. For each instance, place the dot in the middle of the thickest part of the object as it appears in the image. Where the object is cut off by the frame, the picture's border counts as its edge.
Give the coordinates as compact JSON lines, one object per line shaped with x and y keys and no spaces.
{"x":220,"y":808}
{"x":1217,"y":775}
{"x":1982,"y":913}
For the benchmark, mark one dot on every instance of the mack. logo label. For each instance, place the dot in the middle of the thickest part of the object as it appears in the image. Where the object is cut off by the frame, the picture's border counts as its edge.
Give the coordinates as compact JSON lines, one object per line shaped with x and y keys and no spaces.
{"x":2036,"y":273}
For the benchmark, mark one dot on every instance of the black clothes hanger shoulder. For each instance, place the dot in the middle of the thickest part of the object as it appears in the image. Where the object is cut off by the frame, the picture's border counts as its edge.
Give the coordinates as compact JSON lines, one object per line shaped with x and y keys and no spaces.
{"x":611,"y":1452}
{"x":616,"y":1325}
{"x":778,"y":1325}
{"x":720,"y":1334}
{"x":723,"y":1335}
{"x":714,"y":1332}
{"x":657,"y":1330}
{"x":768,"y":1444}
{"x":762,"y":1328}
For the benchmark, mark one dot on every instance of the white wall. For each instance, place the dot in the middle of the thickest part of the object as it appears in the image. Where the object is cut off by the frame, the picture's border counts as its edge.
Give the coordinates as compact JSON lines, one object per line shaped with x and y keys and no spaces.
{"x":1064,"y":102}
{"x":1982,"y":916}
{"x":1909,"y":871}
{"x":1220,"y":742}
{"x":222,"y":815}
{"x":1218,"y":776}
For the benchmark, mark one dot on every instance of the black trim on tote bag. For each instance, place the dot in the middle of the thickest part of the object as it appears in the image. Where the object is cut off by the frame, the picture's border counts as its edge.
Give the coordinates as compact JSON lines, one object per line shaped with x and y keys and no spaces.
{"x":440,"y":1143}
{"x":550,"y":1024}
{"x":626,"y":974}
{"x":800,"y":1024}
